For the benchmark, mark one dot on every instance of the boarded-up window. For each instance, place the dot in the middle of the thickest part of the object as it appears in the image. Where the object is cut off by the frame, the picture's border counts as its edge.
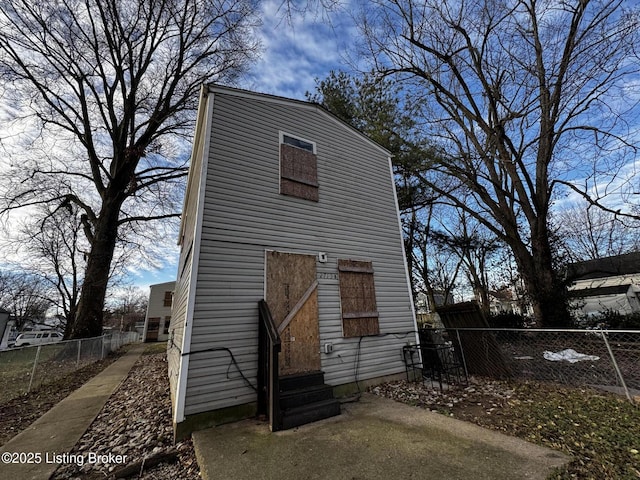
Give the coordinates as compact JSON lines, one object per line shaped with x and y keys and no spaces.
{"x":298,"y":169}
{"x":152,"y":329}
{"x":358,"y":298}
{"x":168,"y":297}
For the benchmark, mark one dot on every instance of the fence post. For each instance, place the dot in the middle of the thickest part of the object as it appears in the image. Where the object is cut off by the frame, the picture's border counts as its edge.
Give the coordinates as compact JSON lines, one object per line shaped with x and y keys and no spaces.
{"x":102,"y":354}
{"x":464,"y":361}
{"x":79,"y":346}
{"x":615,"y":366}
{"x":33,"y":370}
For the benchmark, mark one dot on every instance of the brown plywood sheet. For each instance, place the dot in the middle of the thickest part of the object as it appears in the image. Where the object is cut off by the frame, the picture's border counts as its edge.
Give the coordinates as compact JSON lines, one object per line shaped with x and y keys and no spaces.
{"x":358,"y":298}
{"x":298,"y":165}
{"x":298,"y":173}
{"x":152,"y":329}
{"x":289,"y":276}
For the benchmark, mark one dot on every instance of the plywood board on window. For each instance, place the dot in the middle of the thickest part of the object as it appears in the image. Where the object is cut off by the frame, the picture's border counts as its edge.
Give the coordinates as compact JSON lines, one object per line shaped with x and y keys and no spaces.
{"x":289,"y":276}
{"x":298,"y":165}
{"x":153,"y":326}
{"x":300,"y":190}
{"x":359,"y":327}
{"x":168,"y":299}
{"x":298,"y":172}
{"x":358,"y":298}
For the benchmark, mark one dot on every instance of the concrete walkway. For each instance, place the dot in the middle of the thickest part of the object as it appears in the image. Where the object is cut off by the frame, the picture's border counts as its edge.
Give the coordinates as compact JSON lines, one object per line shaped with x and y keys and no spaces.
{"x":47,"y":441}
{"x":375,"y":438}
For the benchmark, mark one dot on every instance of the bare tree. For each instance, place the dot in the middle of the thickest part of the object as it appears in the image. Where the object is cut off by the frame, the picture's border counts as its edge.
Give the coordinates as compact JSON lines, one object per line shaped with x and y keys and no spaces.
{"x":517,"y":94}
{"x":55,"y":249}
{"x":25,"y":296}
{"x":433,"y":269}
{"x":113,"y":86}
{"x":126,"y":307}
{"x":466,"y":239}
{"x":587,"y":233}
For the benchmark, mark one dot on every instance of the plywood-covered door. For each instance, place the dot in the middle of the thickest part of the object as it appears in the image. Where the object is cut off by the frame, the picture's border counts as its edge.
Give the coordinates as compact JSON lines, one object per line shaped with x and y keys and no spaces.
{"x":292,"y":295}
{"x":152,"y":329}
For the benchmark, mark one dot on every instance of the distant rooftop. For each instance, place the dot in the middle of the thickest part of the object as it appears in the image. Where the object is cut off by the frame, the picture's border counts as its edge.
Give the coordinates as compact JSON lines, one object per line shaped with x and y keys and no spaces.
{"x":600,"y":291}
{"x":626,"y":264}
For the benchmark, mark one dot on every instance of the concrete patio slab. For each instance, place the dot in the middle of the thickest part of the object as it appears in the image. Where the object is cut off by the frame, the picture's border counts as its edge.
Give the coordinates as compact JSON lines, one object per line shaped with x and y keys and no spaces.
{"x":375,"y":438}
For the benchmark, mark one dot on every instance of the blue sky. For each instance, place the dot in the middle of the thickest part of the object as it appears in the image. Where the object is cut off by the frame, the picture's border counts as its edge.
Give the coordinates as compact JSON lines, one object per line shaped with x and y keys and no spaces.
{"x":297,"y":52}
{"x":294,"y":54}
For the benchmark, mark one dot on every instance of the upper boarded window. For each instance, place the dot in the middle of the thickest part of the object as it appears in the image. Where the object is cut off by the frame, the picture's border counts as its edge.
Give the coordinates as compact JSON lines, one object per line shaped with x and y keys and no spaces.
{"x":168,"y":299}
{"x":298,"y":168}
{"x":358,"y":298}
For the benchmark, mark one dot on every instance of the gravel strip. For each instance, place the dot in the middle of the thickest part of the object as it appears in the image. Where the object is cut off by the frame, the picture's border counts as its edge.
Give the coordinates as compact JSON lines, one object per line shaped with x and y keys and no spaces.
{"x":136,"y":422}
{"x":480,"y":395}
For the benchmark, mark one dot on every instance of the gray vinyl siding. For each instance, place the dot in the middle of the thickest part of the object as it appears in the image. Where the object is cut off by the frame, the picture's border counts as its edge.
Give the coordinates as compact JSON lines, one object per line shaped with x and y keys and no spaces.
{"x":179,"y":311}
{"x":183,"y":277}
{"x":244,"y":215}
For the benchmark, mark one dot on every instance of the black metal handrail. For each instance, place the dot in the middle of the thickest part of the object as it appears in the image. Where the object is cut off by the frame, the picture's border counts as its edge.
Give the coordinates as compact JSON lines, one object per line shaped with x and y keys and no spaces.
{"x":268,"y":380}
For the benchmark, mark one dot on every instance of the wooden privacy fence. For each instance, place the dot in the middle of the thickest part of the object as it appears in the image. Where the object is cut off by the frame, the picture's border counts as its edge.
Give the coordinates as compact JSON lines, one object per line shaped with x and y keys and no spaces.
{"x":481,"y":353}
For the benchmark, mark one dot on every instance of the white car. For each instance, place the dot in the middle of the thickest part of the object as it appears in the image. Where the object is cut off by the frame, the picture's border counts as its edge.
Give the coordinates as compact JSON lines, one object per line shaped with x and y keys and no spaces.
{"x":37,"y":338}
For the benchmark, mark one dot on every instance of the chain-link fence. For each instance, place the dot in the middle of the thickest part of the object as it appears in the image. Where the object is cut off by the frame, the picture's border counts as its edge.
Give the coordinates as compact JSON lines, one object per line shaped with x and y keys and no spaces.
{"x":603,"y":359}
{"x":25,"y":369}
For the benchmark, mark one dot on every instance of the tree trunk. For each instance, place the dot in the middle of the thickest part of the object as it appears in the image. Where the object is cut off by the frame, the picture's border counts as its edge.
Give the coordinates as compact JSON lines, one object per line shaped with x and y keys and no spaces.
{"x":544,"y":289}
{"x":89,"y":315}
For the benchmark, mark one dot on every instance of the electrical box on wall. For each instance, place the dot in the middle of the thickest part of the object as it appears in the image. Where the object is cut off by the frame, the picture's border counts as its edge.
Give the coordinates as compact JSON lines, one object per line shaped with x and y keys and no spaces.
{"x":322,"y":257}
{"x":328,"y":347}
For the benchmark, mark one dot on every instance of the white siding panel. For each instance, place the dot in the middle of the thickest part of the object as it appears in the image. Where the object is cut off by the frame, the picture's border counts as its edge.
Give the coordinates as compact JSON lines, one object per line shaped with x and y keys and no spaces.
{"x":245,"y":215}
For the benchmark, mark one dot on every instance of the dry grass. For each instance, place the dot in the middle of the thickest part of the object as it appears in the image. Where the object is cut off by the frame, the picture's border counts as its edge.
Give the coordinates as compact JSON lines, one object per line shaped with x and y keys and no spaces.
{"x":598,"y":430}
{"x":18,"y":411}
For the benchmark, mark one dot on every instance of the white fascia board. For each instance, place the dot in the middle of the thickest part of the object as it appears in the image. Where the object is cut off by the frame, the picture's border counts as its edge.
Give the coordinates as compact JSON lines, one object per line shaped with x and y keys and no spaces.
{"x":404,"y":253}
{"x":201,"y":123}
{"x":163,"y":285}
{"x":185,"y":348}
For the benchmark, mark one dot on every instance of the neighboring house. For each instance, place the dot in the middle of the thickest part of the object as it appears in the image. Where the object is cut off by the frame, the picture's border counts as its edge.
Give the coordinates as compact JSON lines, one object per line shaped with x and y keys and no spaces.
{"x":611,"y":283}
{"x":505,"y":300}
{"x":158,"y":318}
{"x":423,"y":303}
{"x":285,"y":203}
{"x":502,"y":301}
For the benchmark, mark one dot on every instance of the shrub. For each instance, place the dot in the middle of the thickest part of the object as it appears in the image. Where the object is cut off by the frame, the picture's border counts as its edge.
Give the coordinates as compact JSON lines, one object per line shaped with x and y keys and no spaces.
{"x":612,"y":319}
{"x":507,"y":320}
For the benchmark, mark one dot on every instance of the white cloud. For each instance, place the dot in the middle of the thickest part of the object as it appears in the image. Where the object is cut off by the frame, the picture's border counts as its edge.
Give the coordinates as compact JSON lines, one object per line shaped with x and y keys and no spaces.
{"x":298,"y":50}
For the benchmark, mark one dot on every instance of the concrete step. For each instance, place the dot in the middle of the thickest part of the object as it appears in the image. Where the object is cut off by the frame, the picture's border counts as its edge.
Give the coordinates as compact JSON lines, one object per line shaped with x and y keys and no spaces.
{"x":312,"y":412}
{"x":301,"y":380}
{"x":304,"y":396}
